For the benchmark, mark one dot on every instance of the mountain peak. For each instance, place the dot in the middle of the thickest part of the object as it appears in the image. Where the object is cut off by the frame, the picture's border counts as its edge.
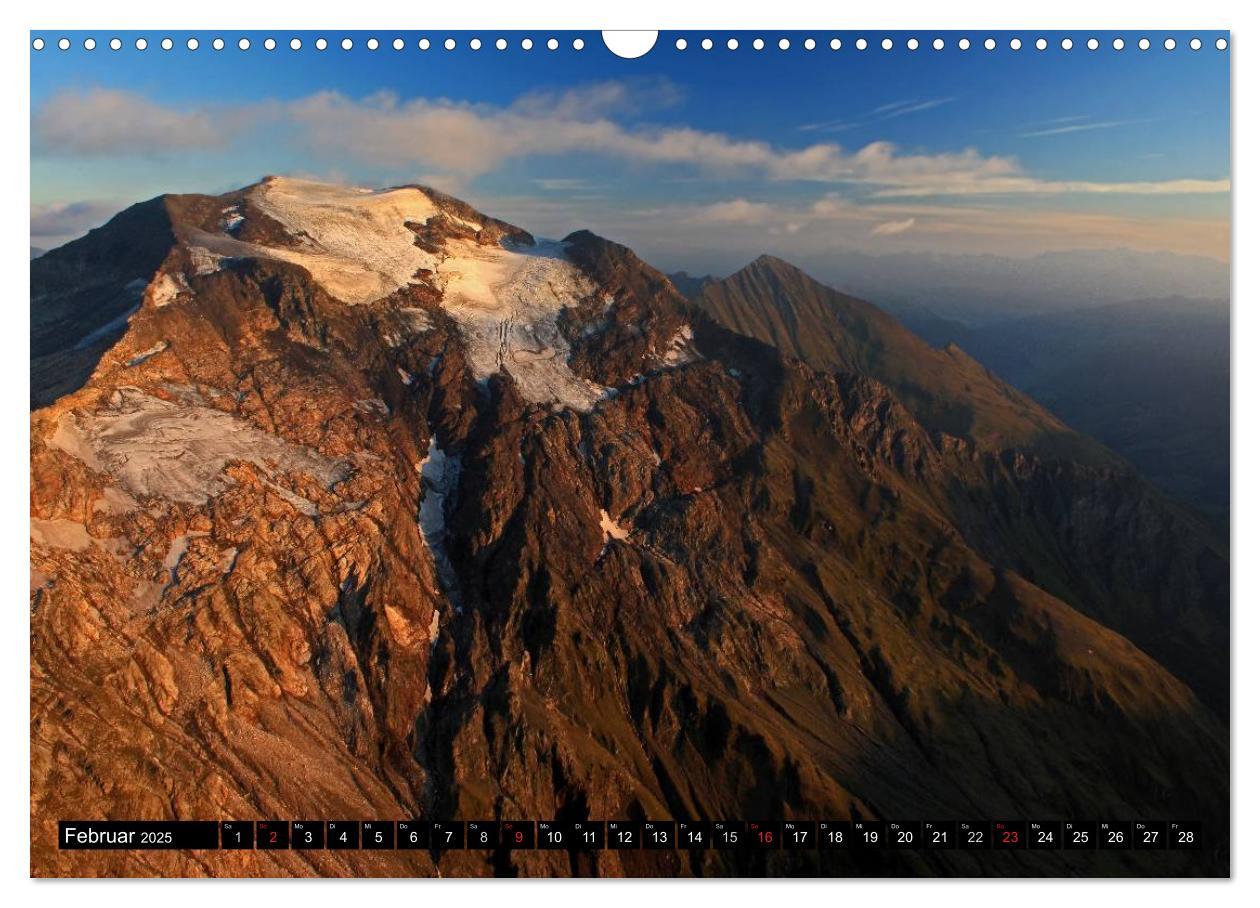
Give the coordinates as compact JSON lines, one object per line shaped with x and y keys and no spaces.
{"x":766,"y":260}
{"x":777,"y":302}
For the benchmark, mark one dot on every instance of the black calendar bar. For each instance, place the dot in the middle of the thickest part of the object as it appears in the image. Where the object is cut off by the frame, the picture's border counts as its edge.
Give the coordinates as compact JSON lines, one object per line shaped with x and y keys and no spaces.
{"x":634,"y":835}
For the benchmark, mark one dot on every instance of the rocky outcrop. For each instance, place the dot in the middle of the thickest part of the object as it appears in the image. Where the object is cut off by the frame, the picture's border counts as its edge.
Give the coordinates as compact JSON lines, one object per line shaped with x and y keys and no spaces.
{"x":527,"y":536}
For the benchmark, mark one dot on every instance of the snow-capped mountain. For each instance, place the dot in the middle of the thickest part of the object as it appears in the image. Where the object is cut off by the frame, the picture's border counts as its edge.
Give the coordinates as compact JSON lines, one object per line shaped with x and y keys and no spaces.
{"x":353,"y":503}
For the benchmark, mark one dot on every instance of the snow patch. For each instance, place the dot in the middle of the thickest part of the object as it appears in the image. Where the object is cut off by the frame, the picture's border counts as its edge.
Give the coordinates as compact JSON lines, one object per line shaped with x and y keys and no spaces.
{"x":60,"y":534}
{"x":372,"y":405}
{"x":506,"y":302}
{"x":232,"y":219}
{"x":681,"y":349}
{"x":611,"y":530}
{"x":146,"y":354}
{"x":227,"y":560}
{"x":354,"y":242}
{"x":439,"y":481}
{"x":204,"y":261}
{"x":179,"y":451}
{"x":167,"y":288}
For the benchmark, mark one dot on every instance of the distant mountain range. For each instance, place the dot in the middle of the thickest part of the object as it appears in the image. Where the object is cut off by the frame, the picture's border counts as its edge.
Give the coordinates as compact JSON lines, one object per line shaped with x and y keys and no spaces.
{"x":352,"y":503}
{"x":978,"y":289}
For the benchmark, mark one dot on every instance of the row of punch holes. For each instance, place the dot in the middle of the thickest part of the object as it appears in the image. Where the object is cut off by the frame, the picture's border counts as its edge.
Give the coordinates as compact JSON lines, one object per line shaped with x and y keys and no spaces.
{"x":706,"y":44}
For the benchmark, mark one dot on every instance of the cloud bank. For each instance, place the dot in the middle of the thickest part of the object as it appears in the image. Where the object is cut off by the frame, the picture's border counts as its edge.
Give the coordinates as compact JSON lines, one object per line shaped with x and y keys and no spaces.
{"x":464,"y":140}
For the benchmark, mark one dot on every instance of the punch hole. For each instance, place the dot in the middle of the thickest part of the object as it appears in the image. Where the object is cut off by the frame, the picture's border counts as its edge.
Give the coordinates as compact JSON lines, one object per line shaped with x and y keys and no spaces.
{"x":630,"y":45}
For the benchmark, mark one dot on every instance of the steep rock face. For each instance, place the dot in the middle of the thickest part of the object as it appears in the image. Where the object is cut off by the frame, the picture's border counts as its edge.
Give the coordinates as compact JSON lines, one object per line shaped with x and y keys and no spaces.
{"x":526,"y":536}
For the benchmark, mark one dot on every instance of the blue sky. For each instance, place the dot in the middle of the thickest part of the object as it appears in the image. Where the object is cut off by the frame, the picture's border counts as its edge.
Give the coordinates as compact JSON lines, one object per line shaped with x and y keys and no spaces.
{"x":698,"y":158}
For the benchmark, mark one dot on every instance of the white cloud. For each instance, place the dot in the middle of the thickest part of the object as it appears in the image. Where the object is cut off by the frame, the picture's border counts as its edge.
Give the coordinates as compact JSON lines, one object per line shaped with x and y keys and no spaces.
{"x":58,"y":220}
{"x":461,"y":141}
{"x":103,"y":121}
{"x":883,"y":112}
{"x":892,"y":228}
{"x":734,"y":211}
{"x":562,"y":184}
{"x":1069,"y":127}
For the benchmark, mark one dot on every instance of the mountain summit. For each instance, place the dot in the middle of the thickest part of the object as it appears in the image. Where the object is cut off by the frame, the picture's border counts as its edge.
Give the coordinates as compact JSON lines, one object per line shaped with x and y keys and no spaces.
{"x":945,"y":389}
{"x":363,"y":504}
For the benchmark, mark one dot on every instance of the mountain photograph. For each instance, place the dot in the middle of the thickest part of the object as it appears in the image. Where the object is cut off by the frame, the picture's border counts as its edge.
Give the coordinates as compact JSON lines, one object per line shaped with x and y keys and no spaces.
{"x":420,"y":487}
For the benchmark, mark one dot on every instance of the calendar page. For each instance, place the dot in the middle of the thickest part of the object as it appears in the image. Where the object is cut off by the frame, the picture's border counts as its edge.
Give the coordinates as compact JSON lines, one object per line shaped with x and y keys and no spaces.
{"x":676,"y":454}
